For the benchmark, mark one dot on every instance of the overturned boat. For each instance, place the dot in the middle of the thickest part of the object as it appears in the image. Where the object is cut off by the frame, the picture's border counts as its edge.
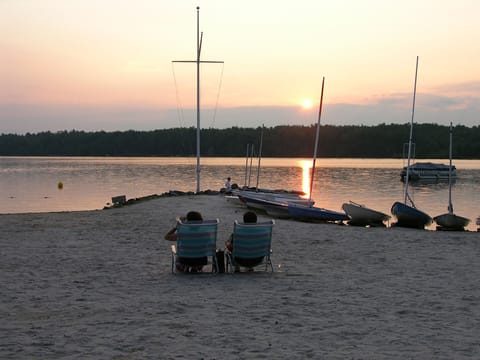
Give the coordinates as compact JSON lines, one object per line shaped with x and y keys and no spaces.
{"x":410,"y":216}
{"x":360,"y":215}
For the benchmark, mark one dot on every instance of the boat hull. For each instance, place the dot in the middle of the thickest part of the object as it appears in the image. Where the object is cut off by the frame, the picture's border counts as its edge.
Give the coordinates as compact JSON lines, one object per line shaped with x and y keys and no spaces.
{"x":272,"y":202}
{"x":234,"y":200}
{"x":275,"y":196}
{"x":363,"y":216}
{"x":451,"y":221}
{"x":311,"y":213}
{"x":275,"y":206}
{"x":278,"y":211}
{"x":410,"y":217}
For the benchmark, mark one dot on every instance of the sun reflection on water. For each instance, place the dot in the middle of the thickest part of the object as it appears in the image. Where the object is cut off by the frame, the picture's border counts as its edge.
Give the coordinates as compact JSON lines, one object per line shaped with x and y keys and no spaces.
{"x":306,"y":173}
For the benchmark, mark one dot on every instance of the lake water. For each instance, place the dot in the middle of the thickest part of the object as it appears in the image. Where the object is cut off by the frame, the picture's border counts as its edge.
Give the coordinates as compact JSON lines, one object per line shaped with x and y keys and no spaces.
{"x":30,"y":184}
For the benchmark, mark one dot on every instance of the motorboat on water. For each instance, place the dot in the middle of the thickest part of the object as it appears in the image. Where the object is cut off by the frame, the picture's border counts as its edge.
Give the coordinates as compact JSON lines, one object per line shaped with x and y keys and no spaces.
{"x":427,"y":171}
{"x":360,"y":215}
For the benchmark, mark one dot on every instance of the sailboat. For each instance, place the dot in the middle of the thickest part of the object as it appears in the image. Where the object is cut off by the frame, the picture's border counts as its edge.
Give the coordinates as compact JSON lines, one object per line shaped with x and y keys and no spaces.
{"x":273,"y":202}
{"x":450,"y":221}
{"x":360,"y":215}
{"x":408,"y":215}
{"x":198,"y":62}
{"x":311,"y":213}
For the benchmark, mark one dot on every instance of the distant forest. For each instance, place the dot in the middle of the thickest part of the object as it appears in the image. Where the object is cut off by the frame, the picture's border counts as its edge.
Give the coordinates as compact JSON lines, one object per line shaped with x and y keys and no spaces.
{"x":381,"y":141}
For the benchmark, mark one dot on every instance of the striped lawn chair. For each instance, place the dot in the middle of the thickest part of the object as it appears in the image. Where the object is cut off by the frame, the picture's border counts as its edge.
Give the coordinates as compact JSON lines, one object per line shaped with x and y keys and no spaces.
{"x":251,"y":246}
{"x":196,"y":243}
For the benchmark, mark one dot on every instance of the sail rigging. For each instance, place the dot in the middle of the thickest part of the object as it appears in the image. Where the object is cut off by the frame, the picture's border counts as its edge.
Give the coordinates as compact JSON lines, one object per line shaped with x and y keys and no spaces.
{"x":198,"y":61}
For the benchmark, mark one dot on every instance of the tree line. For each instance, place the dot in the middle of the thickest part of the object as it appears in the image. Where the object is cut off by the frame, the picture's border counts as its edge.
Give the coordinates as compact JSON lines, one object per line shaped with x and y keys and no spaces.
{"x":380,"y":141}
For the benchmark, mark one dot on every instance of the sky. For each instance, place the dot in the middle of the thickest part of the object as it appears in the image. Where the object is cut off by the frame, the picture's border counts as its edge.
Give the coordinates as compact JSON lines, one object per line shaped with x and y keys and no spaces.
{"x":107,"y":64}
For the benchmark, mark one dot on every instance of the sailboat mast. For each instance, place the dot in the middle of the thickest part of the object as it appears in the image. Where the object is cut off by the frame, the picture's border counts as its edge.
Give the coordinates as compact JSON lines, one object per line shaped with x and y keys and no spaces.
{"x":199,"y":50}
{"x":450,"y":205}
{"x":198,"y":62}
{"x":410,"y":139}
{"x":259,"y":157}
{"x":246,"y":164}
{"x":316,"y":139}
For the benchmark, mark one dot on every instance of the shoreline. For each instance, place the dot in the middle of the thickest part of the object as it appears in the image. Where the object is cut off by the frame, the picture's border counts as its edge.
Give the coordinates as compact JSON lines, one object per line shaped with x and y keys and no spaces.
{"x":181,"y":194}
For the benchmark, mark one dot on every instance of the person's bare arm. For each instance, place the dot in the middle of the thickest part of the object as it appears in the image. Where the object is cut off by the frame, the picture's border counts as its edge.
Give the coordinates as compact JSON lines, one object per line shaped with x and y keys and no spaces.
{"x":171,"y":235}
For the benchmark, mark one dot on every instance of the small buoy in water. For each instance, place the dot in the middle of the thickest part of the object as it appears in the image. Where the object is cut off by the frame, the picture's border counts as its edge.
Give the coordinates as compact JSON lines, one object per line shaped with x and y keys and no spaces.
{"x":60,"y":185}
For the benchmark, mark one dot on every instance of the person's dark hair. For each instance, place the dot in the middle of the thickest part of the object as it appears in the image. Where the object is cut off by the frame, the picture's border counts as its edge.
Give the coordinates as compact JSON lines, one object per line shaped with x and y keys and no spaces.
{"x":249,"y":217}
{"x":194,"y":216}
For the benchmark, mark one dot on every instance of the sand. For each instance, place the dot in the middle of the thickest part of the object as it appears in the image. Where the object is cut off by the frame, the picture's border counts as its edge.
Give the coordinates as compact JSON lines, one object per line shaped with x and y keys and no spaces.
{"x":98,"y":285}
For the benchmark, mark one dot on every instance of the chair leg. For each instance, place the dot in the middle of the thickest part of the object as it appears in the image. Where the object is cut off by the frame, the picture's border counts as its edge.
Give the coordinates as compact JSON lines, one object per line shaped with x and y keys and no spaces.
{"x":268,"y":263}
{"x":214,"y":264}
{"x":228,"y":263}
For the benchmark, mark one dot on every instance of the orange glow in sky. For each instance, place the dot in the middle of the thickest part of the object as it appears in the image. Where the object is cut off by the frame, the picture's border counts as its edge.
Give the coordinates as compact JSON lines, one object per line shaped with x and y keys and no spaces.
{"x":307,"y":104}
{"x":119,"y":54}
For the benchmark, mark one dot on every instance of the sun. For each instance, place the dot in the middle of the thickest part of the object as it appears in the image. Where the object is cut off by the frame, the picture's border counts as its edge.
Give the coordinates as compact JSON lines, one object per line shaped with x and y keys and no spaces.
{"x":307,"y":104}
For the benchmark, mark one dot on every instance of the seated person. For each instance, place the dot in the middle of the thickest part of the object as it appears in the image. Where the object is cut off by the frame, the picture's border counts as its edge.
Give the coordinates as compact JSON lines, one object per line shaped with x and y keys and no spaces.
{"x":248,"y":218}
{"x":187,"y":264}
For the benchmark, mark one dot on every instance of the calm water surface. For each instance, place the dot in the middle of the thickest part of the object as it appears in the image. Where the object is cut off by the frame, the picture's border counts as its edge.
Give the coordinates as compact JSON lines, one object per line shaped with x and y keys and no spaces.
{"x":30,"y":184}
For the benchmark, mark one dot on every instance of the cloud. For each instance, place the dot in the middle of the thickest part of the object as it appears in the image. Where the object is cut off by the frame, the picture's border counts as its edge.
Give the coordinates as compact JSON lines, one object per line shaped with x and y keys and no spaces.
{"x":35,"y":118}
{"x":394,"y":108}
{"x":471,"y":88}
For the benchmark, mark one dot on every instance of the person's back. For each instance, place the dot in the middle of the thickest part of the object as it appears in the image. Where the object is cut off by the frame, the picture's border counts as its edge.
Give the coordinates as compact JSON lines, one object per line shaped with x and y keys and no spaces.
{"x":186,"y":264}
{"x":248,"y":218}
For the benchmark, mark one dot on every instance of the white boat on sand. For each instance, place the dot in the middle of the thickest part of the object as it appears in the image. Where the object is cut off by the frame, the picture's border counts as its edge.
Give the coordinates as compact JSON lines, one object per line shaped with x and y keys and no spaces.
{"x":451,"y":221}
{"x":272,"y":195}
{"x":272,"y":202}
{"x":360,"y":215}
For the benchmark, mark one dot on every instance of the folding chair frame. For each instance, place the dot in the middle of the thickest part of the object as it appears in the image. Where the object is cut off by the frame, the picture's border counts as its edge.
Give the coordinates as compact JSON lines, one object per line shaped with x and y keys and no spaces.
{"x":250,"y":241}
{"x":196,"y":239}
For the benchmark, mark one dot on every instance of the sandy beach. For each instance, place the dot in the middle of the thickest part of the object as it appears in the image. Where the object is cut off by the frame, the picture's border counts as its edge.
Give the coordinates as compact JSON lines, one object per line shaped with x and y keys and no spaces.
{"x":97,"y":285}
